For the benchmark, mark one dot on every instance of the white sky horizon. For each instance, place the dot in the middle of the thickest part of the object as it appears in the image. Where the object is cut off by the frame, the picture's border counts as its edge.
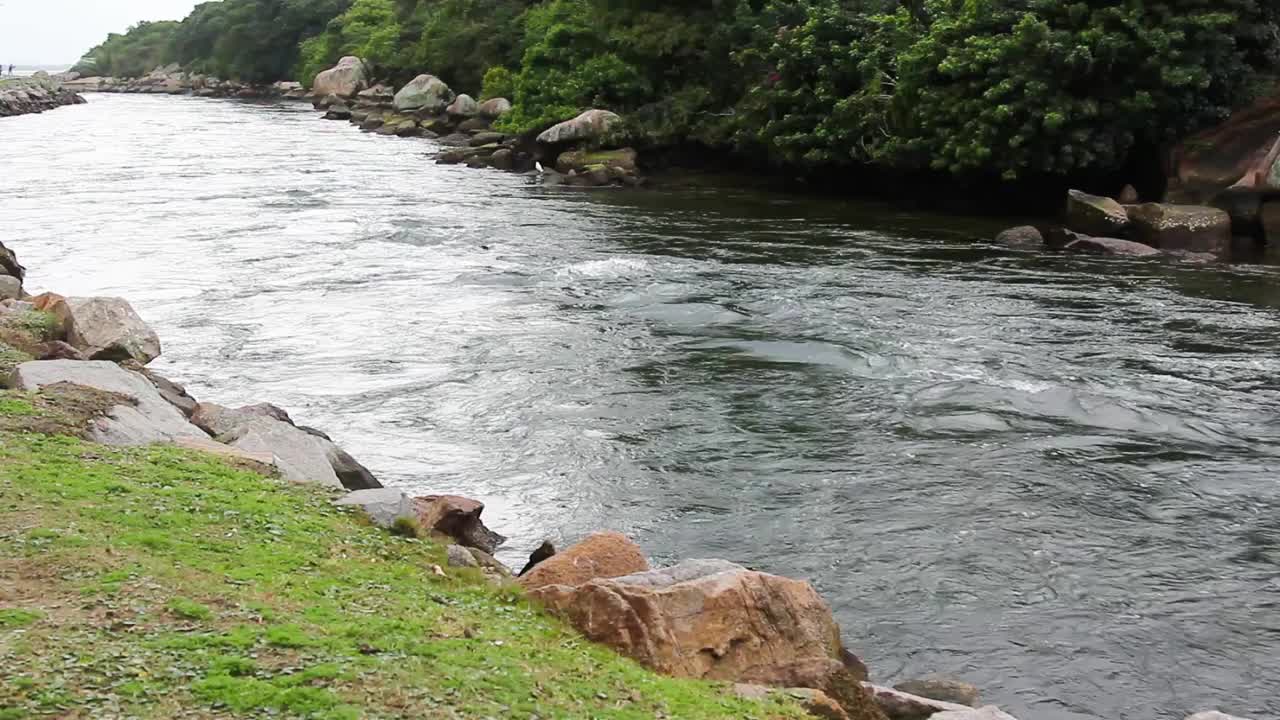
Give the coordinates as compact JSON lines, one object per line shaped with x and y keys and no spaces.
{"x":59,"y":32}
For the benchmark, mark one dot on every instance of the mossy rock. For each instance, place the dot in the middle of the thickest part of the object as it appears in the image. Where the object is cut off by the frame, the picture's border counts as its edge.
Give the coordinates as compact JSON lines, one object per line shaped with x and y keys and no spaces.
{"x":583,"y":160}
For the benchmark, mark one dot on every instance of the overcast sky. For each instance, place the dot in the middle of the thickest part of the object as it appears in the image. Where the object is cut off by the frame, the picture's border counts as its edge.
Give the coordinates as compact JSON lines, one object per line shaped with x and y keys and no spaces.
{"x":51,"y":32}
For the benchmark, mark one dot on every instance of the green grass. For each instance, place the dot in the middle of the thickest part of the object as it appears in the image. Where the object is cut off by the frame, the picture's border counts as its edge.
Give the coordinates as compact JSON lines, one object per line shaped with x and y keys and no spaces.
{"x":154,"y":583}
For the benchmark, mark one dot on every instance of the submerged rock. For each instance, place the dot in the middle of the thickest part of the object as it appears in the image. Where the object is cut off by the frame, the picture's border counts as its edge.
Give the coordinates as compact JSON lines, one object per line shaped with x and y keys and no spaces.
{"x":1111,"y":246}
{"x":1023,"y":236}
{"x":600,"y":555}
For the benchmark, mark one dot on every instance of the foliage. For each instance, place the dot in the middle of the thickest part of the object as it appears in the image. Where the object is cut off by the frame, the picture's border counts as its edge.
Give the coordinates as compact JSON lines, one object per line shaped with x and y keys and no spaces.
{"x":1000,"y":87}
{"x":226,"y":594}
{"x":134,"y":54}
{"x":499,"y":82}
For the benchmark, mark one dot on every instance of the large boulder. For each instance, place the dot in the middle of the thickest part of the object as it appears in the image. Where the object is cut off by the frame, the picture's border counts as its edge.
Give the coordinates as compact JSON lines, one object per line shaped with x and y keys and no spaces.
{"x":706,"y":619}
{"x":1094,"y":215}
{"x":589,"y":126}
{"x":300,"y":456}
{"x":463,"y":106}
{"x":1242,"y":154}
{"x":107,"y":328}
{"x":144,"y":419}
{"x":425,"y":93}
{"x":599,"y":556}
{"x":459,"y":518}
{"x":494,"y":108}
{"x":345,"y":79}
{"x":1182,"y":227}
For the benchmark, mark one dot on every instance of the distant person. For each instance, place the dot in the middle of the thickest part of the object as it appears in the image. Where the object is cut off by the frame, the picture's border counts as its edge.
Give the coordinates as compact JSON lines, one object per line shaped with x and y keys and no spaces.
{"x":10,"y":69}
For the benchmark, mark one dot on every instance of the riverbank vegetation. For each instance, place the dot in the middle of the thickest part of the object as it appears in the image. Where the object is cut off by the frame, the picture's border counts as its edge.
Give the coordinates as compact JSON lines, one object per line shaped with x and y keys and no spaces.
{"x":1008,"y":89}
{"x":155,"y":582}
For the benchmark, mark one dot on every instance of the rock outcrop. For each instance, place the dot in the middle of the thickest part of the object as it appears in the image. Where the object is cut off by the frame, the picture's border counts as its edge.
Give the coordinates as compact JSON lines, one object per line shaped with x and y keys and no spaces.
{"x":459,"y":518}
{"x":462,"y":107}
{"x":589,"y":126}
{"x":425,"y":93}
{"x":383,"y":506}
{"x":1241,"y":154}
{"x":345,"y":79}
{"x":494,"y":108}
{"x":598,"y":556}
{"x":34,"y":95}
{"x":1111,"y":246}
{"x":145,"y":419}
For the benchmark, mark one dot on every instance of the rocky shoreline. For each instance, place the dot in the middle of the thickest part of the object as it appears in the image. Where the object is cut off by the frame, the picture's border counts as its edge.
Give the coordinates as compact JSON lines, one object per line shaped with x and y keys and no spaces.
{"x":36,"y":94}
{"x":703,"y":619}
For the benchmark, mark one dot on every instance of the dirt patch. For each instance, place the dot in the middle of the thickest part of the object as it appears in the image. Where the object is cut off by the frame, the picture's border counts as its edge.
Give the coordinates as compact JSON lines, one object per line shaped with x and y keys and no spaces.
{"x":59,"y":409}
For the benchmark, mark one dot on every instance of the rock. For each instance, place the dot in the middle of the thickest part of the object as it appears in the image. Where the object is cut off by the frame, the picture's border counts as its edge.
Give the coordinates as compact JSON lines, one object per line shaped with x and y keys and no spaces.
{"x":384,"y":506}
{"x":424,"y":93}
{"x":459,"y":518}
{"x":1111,"y":246}
{"x":817,"y":703}
{"x":579,"y":160}
{"x":323,"y":102}
{"x":452,"y":157}
{"x":107,"y":328}
{"x":10,"y":287}
{"x":350,"y":472}
{"x":46,"y":302}
{"x":58,"y":350}
{"x":990,"y":712}
{"x":459,"y":556}
{"x":1242,"y":153}
{"x":546,"y":550}
{"x":372,"y":122}
{"x":1128,"y":196}
{"x":463,"y":106}
{"x":836,"y":679}
{"x":590,"y":125}
{"x":1023,"y":236}
{"x":456,"y":140}
{"x":300,"y":456}
{"x":494,"y":108}
{"x":345,"y":79}
{"x":706,"y":619}
{"x":486,"y":138}
{"x":264,"y":462}
{"x":286,"y":87}
{"x":475,"y":124}
{"x":898,"y":705}
{"x":406,"y":128}
{"x":598,"y":556}
{"x":173,"y":393}
{"x":1182,"y":227}
{"x":1213,"y":715}
{"x":490,"y":563}
{"x":1094,"y":215}
{"x":1058,"y":238}
{"x":477,"y":162}
{"x":149,"y":419}
{"x":9,"y":264}
{"x":338,"y":112}
{"x":377,"y":95}
{"x":944,"y":689}
{"x":503,"y":159}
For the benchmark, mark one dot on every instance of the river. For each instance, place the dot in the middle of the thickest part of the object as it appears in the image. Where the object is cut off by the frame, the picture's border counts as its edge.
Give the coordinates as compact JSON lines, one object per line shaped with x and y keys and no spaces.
{"x":1055,"y":477}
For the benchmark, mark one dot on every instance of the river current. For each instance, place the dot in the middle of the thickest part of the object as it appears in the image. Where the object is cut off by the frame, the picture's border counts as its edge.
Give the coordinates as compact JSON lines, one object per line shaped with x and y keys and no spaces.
{"x":1055,"y":477}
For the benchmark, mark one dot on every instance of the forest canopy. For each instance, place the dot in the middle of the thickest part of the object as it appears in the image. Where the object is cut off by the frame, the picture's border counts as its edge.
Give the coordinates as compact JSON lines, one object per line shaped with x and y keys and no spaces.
{"x":1004,"y":87}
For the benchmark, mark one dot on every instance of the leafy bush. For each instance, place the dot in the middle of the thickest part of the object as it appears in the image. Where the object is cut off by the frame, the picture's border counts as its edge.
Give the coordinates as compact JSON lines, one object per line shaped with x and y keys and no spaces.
{"x":499,"y":82}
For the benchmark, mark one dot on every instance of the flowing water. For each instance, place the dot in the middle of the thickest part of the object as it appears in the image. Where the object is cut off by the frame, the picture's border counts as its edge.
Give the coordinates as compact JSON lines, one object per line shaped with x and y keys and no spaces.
{"x":1053,"y":476}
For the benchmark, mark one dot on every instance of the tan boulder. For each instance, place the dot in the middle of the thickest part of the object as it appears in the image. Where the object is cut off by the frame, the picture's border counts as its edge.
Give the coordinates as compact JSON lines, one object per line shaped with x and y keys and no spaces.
{"x":599,"y":556}
{"x":1095,"y":215}
{"x":457,"y":517}
{"x":590,"y":125}
{"x":345,"y":79}
{"x":106,"y":328}
{"x":703,"y":619}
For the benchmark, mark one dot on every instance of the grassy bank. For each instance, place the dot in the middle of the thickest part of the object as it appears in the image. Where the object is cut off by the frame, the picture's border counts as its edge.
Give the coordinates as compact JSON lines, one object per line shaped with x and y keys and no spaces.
{"x":158,"y":583}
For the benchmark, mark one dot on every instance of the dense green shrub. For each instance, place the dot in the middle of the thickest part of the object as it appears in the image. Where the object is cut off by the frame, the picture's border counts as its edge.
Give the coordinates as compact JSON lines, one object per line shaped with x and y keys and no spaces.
{"x":499,"y":82}
{"x":139,"y":51}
